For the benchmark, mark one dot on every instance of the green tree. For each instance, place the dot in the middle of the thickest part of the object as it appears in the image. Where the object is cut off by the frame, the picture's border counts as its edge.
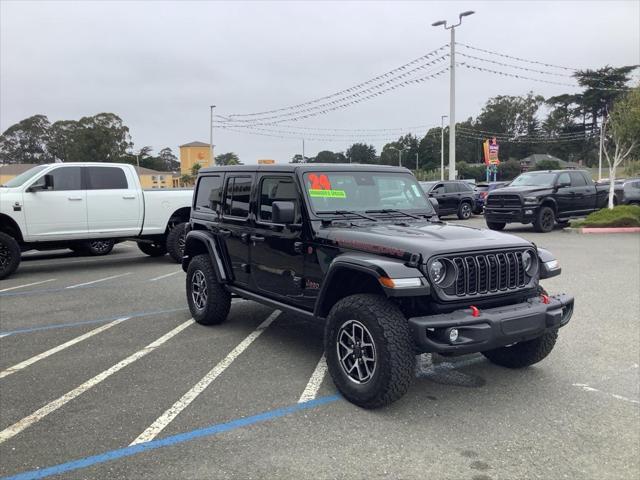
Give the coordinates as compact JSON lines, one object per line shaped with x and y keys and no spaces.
{"x":361,"y":153}
{"x":547,"y":165}
{"x":327,"y":156}
{"x":410,"y":146}
{"x":26,"y":141}
{"x":169,"y":160}
{"x":195,"y":169}
{"x":228,"y":158}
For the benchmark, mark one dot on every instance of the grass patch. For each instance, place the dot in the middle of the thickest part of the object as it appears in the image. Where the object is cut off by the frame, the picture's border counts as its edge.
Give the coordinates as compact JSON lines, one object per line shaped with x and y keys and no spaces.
{"x":620,"y":216}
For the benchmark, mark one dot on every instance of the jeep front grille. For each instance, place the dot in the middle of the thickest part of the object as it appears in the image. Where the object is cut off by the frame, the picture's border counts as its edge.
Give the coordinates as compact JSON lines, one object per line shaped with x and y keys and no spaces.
{"x":501,"y":200}
{"x":488,"y":273}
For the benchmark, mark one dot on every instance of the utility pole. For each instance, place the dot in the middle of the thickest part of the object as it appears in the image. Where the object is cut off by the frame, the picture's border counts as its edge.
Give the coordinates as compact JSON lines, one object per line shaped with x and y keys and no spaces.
{"x":442,"y":117}
{"x":452,"y":90}
{"x":399,"y":154}
{"x":417,"y":164}
{"x":303,"y":160}
{"x":211,"y":107}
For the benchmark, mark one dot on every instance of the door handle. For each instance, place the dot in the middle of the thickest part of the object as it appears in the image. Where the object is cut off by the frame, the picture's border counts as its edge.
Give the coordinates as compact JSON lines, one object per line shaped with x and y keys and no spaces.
{"x":75,"y":199}
{"x":129,"y":197}
{"x":257,"y":238}
{"x":224,"y":233}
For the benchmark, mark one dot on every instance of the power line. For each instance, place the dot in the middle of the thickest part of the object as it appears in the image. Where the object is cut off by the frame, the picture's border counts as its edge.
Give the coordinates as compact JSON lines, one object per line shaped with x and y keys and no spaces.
{"x":520,"y":59}
{"x":511,"y":135}
{"x":510,"y":65}
{"x":309,"y":134}
{"x":298,"y":137}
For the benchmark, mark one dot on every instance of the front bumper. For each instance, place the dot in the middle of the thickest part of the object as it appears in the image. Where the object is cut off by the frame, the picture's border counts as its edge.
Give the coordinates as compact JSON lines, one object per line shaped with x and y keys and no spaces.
{"x":492,"y":328}
{"x":524,"y":214}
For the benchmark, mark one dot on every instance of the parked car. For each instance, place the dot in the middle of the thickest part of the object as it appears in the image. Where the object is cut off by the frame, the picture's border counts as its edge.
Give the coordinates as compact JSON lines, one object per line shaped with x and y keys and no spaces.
{"x":625,"y":192}
{"x":544,"y":198}
{"x":454,"y":197}
{"x":481,"y":191}
{"x":88,"y":207}
{"x":359,"y":250}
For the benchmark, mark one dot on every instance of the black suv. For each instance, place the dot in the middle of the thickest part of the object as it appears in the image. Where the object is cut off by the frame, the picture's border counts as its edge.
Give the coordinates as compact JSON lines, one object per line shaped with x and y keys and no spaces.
{"x":455,"y":197}
{"x":361,"y":249}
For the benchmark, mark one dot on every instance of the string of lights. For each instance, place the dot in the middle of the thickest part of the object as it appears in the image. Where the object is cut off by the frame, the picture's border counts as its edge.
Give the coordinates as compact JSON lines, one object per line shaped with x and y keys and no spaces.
{"x":360,"y":86}
{"x":520,"y":59}
{"x":518,"y":67}
{"x":356,"y":130}
{"x":510,"y":135}
{"x":309,"y":134}
{"x":297,"y":137}
{"x":529,"y":140}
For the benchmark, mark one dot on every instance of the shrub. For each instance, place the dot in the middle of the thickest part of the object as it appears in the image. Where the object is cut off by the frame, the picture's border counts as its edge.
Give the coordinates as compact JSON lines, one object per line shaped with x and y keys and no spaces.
{"x":620,"y":216}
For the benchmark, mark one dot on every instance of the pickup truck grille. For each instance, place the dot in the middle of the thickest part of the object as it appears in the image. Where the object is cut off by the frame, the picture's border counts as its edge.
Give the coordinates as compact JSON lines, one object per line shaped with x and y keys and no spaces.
{"x":488,"y":273}
{"x":501,"y":200}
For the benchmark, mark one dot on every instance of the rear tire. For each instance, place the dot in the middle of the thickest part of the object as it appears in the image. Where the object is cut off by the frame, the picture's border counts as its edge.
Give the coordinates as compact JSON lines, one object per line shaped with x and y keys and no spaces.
{"x":464,"y":211}
{"x":496,"y":225}
{"x":208,"y":300}
{"x":176,"y":241}
{"x":545,"y":220}
{"x":523,"y":354}
{"x":98,"y":248}
{"x":369,"y":350}
{"x":10,"y":255}
{"x":152,"y":249}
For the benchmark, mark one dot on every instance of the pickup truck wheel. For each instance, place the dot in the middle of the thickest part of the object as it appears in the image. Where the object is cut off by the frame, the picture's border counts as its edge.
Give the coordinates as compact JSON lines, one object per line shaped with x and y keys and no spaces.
{"x":369,"y":350}
{"x":99,"y":247}
{"x":9,"y":255}
{"x":176,"y":241}
{"x":208,"y":300}
{"x":464,"y":211}
{"x":152,"y":249}
{"x":523,"y":354}
{"x":496,"y":225}
{"x":544,"y":220}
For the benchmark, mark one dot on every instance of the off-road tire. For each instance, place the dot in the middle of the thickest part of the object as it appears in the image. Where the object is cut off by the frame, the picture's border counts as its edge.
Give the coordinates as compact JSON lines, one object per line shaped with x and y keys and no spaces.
{"x":218,"y":300}
{"x":98,"y":248}
{"x":10,"y":255}
{"x":523,"y":354}
{"x":464,"y":211}
{"x":498,"y":226}
{"x":175,"y":241}
{"x":394,"y":358}
{"x":152,"y":249}
{"x":545,"y":220}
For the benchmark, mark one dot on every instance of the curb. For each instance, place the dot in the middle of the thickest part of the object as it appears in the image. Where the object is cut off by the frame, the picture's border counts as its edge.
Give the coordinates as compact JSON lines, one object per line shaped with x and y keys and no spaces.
{"x":586,"y":230}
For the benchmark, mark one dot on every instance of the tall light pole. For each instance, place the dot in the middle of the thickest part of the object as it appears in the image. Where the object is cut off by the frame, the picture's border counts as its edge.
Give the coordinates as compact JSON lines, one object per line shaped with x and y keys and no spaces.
{"x":442,"y":117}
{"x":417,"y":163}
{"x":399,"y":154}
{"x":211,"y":107}
{"x":452,"y":90}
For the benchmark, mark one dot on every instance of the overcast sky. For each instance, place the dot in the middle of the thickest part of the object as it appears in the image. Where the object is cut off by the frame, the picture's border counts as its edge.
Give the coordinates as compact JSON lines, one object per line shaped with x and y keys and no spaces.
{"x":159,"y":64}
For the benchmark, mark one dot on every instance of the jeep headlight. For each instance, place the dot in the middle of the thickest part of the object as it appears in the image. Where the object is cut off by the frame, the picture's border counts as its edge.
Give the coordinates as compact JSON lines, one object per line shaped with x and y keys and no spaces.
{"x":437,"y":271}
{"x":530,"y":200}
{"x":442,"y":272}
{"x":529,"y":262}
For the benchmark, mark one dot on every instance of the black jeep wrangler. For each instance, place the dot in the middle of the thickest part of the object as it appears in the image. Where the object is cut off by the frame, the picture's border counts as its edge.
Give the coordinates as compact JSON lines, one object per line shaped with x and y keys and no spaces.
{"x":361,"y":248}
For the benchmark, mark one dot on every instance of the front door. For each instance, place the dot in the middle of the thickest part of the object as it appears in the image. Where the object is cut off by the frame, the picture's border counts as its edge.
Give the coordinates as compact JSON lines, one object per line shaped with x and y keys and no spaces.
{"x":565,"y":196}
{"x":59,"y":212}
{"x":235,"y":231}
{"x":277,"y":258}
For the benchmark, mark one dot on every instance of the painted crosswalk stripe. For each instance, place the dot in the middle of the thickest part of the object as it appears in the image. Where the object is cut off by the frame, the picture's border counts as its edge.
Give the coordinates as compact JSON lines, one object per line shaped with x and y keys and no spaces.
{"x":164,"y":276}
{"x":27,"y":285}
{"x":99,"y":280}
{"x":167,"y":417}
{"x":311,"y":390}
{"x":39,"y":414}
{"x":59,"y":348}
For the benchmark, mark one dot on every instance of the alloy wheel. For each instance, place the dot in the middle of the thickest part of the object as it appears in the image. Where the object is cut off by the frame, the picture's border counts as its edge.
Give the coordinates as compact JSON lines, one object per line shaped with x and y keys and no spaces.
{"x":547,"y":220}
{"x":199,"y":292}
{"x":100,"y":246}
{"x":356,"y":351}
{"x":5,"y":256}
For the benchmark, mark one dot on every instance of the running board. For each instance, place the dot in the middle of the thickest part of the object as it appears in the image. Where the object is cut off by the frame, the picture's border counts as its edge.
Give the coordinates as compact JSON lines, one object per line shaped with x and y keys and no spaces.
{"x":269,"y":302}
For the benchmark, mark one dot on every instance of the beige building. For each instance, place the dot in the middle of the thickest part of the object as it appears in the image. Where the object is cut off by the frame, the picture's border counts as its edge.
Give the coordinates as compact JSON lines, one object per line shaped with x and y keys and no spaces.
{"x":194,"y":153}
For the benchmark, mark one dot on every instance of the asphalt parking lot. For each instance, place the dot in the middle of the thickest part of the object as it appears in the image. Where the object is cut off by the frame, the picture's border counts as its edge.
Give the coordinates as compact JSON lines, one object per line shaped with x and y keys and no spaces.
{"x":104,"y":375}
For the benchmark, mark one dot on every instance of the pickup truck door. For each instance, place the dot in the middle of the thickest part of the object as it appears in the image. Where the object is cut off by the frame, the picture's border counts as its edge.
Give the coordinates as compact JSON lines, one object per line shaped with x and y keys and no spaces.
{"x":234,"y":231}
{"x":58,"y":212}
{"x":565,"y":196}
{"x":114,"y":201}
{"x":277,"y":258}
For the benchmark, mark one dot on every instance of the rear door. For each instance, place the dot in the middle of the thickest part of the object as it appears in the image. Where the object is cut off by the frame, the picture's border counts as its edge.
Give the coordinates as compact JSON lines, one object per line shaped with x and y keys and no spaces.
{"x":114,"y":202}
{"x":60,"y":212}
{"x":585,"y":193}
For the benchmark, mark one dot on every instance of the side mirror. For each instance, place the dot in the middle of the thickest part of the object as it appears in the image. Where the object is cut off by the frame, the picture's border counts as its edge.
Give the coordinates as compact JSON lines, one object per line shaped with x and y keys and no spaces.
{"x":563,"y":184}
{"x":43,"y":183}
{"x":435,"y":204}
{"x":283,"y":212}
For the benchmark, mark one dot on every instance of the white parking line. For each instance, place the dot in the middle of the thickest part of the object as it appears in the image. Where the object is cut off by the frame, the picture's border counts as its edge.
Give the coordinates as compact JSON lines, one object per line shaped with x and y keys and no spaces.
{"x":167,"y":417}
{"x":27,"y":285}
{"x":39,"y":414}
{"x":311,"y":390}
{"x":48,"y":353}
{"x":164,"y":276}
{"x":587,"y":388}
{"x":99,"y":280}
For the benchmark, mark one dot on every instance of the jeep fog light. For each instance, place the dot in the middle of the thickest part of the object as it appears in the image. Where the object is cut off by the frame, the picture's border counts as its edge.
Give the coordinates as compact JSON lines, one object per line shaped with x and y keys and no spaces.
{"x":453,"y":335}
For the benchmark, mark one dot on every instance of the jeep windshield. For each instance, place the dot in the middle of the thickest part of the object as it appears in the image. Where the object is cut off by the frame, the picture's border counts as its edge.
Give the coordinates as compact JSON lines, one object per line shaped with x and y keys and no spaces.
{"x":534,"y":180}
{"x":366,"y":192}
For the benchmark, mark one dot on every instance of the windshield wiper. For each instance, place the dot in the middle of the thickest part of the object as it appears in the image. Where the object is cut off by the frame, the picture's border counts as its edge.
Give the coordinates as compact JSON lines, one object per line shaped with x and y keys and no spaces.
{"x":393,"y":210}
{"x":347,"y":212}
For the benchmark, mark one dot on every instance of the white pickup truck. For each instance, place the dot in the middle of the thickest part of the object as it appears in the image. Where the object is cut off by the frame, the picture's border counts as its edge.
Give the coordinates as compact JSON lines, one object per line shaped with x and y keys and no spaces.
{"x":88,"y":207}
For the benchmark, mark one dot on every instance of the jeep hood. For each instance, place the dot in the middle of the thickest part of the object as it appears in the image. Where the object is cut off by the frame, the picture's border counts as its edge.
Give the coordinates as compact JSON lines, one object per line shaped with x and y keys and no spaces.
{"x":424,"y":238}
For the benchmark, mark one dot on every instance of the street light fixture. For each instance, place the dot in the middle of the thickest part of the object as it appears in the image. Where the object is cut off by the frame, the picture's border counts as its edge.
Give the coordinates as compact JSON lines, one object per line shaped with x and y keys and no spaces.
{"x":399,"y":154}
{"x":452,"y":90}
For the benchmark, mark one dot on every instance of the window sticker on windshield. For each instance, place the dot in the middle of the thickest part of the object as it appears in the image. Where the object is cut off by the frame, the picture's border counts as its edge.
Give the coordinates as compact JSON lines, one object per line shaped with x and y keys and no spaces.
{"x":327,"y":193}
{"x":319,"y":182}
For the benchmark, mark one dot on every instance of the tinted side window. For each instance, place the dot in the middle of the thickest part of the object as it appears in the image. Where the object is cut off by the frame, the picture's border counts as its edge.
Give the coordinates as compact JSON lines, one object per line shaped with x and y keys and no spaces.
{"x":238,"y":195}
{"x":451,"y":188}
{"x":277,"y":189}
{"x":67,"y":178}
{"x":209,"y":193}
{"x":577,"y":180}
{"x":438,"y":189}
{"x":106,"y":178}
{"x":465,"y":187}
{"x":563,"y":178}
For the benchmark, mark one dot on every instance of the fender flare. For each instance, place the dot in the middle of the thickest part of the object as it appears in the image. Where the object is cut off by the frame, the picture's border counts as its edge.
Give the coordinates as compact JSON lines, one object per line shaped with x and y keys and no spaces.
{"x":194,"y":243}
{"x":545,"y":256}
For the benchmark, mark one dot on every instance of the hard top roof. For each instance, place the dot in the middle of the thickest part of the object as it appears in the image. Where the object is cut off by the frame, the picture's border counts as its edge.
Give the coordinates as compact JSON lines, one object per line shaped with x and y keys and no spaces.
{"x":306,"y":167}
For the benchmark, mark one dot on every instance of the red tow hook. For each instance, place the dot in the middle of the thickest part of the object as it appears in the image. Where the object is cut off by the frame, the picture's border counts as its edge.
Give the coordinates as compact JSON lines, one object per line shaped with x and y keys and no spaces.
{"x":545,"y":299}
{"x":475,"y":311}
